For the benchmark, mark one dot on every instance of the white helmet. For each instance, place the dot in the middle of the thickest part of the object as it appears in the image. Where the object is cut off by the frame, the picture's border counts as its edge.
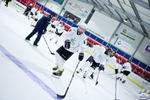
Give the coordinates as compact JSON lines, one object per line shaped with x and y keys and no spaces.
{"x":83,"y":26}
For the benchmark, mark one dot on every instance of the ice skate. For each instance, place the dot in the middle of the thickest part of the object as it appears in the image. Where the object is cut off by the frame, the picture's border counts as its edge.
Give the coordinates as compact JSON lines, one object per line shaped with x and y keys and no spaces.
{"x":123,"y":81}
{"x":84,"y":75}
{"x":91,"y":76}
{"x":55,"y":68}
{"x":118,"y":78}
{"x":35,"y":45}
{"x":58,"y":73}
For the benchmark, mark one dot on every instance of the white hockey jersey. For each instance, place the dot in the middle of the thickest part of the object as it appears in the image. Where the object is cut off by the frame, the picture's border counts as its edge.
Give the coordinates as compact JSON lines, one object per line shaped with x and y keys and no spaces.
{"x":33,"y":10}
{"x":77,"y":41}
{"x":127,"y":66}
{"x":99,"y":55}
{"x":55,"y":23}
{"x":60,"y":28}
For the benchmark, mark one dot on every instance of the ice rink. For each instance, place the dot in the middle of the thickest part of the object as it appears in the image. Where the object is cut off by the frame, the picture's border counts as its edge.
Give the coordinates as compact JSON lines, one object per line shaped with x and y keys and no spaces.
{"x":25,"y":70}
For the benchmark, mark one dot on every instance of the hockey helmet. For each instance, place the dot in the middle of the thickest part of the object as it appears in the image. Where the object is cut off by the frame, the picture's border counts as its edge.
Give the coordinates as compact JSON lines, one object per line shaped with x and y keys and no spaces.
{"x":81,"y":28}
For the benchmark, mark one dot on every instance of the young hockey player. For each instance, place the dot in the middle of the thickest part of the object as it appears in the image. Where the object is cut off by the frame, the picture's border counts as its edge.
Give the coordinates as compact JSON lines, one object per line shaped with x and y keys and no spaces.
{"x":54,"y":24}
{"x":59,"y":31}
{"x":33,"y":13}
{"x":96,"y":60}
{"x":40,"y":28}
{"x":37,"y":16}
{"x":27,"y":10}
{"x":111,"y":59}
{"x":74,"y":41}
{"x":125,"y":71}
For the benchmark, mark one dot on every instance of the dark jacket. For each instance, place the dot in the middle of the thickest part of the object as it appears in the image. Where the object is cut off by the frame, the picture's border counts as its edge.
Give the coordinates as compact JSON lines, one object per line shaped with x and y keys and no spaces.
{"x":43,"y":23}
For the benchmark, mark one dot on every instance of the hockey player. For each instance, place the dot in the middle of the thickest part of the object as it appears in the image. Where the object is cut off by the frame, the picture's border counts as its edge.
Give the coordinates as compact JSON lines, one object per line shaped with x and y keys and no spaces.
{"x":96,"y":60}
{"x":33,"y":12}
{"x":54,"y":24}
{"x":111,"y":59}
{"x":144,"y":95}
{"x":125,"y":71}
{"x":27,"y":10}
{"x":41,"y":28}
{"x":59,"y":31}
{"x":74,"y":41}
{"x":37,"y":16}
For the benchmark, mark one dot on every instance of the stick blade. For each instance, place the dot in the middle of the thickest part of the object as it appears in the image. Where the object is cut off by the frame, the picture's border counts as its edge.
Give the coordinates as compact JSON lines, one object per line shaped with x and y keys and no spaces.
{"x":60,"y":96}
{"x":52,"y":53}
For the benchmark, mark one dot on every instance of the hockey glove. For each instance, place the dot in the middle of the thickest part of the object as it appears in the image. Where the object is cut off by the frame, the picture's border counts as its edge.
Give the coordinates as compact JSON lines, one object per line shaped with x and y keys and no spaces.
{"x":116,"y":71}
{"x":81,"y":56}
{"x":101,"y":67}
{"x":67,"y":44}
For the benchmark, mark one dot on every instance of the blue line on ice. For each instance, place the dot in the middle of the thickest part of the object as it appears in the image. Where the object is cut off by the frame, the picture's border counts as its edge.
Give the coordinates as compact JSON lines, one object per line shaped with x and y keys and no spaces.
{"x":29,"y":73}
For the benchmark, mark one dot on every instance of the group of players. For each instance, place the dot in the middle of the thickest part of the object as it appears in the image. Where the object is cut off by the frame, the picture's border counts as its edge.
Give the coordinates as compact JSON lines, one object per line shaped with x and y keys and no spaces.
{"x":75,"y":41}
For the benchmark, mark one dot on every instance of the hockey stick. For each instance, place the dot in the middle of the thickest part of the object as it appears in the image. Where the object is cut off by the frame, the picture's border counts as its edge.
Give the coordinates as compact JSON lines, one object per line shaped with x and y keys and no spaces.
{"x":116,"y":82}
{"x":48,"y":46}
{"x":115,"y":86}
{"x":97,"y":77}
{"x":63,"y":96}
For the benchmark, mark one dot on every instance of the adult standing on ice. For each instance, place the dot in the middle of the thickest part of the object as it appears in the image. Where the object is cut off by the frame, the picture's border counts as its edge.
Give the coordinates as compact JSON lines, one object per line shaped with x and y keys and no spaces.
{"x":74,"y":41}
{"x":40,"y":28}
